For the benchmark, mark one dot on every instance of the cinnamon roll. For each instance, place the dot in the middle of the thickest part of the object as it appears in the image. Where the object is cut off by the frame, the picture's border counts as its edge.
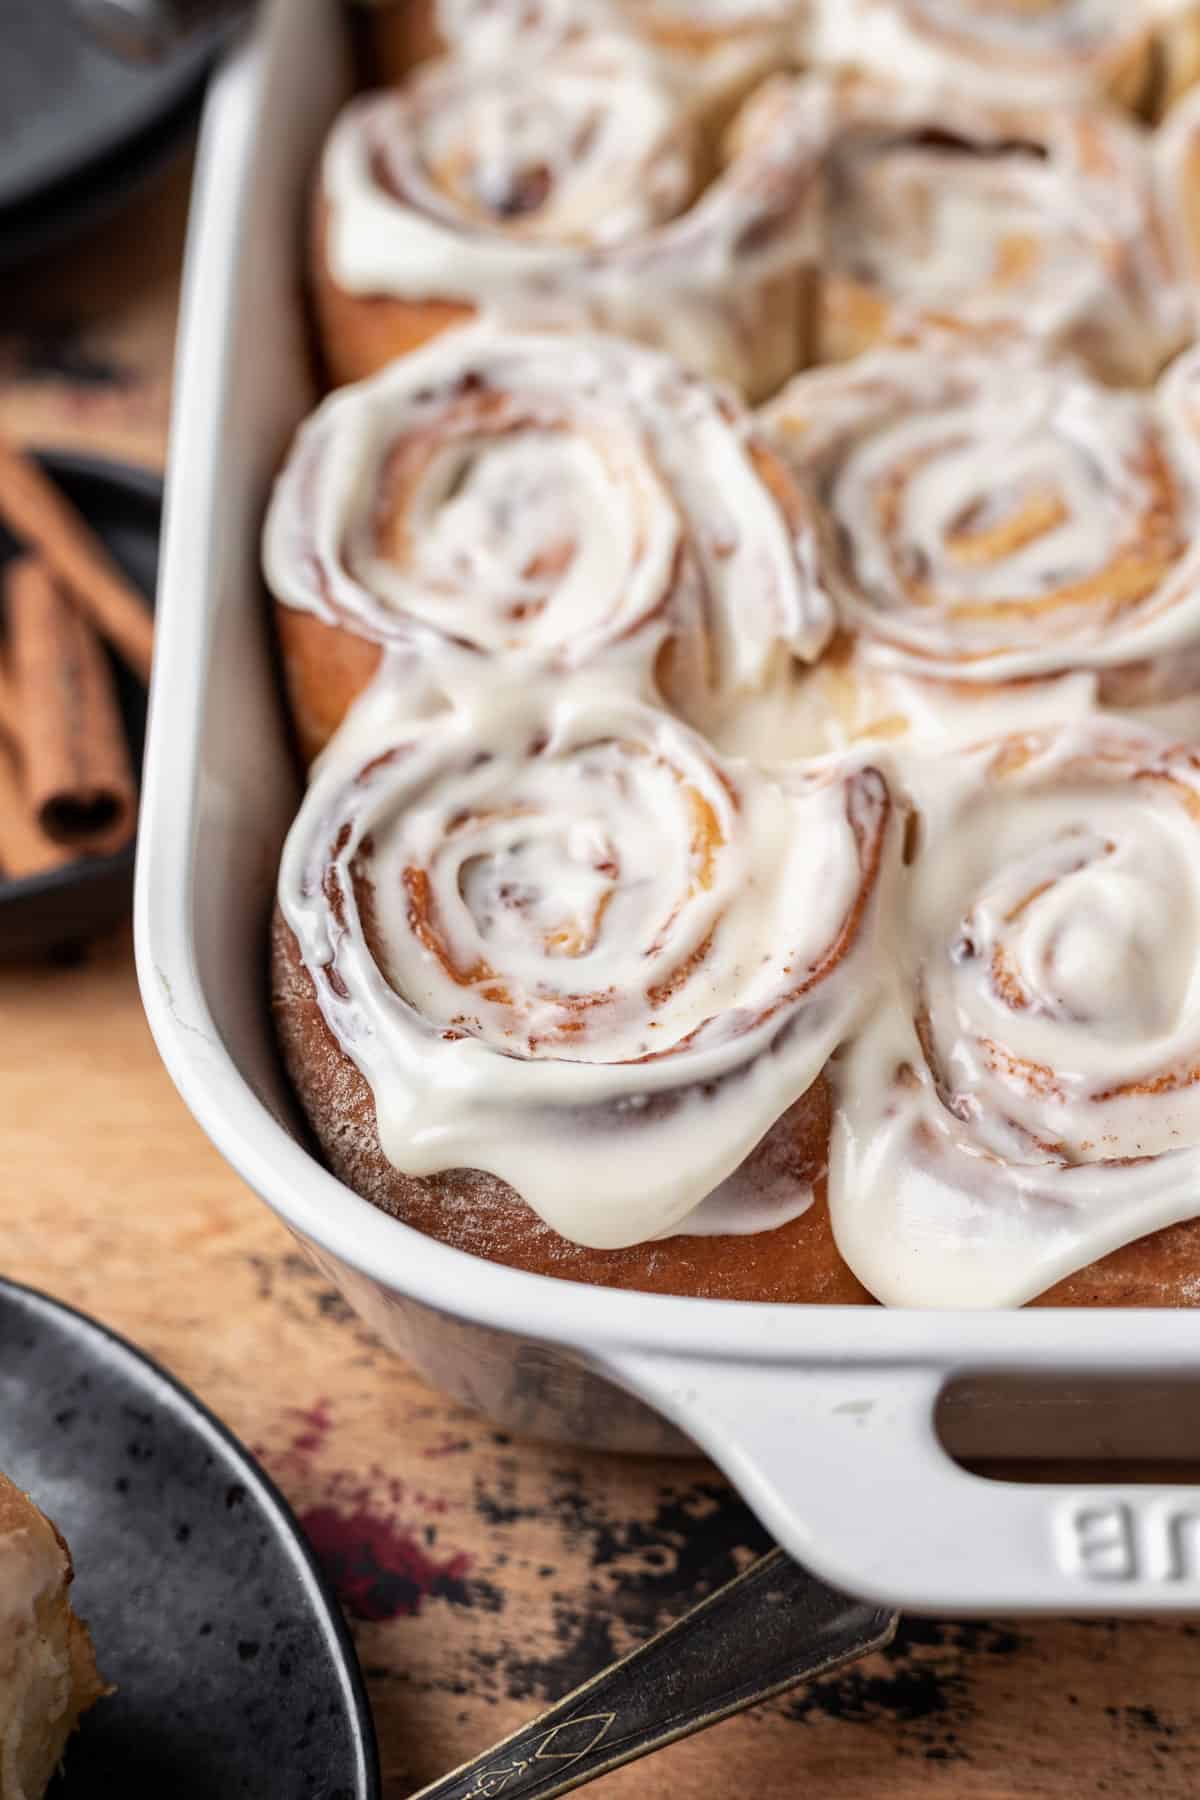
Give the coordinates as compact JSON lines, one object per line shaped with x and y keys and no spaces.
{"x":48,"y":1675}
{"x":1143,"y":53}
{"x":997,"y":521}
{"x":717,"y":45}
{"x":548,"y":958}
{"x":557,"y":502}
{"x":1048,"y":221}
{"x":580,"y":190}
{"x":1026,"y":1099}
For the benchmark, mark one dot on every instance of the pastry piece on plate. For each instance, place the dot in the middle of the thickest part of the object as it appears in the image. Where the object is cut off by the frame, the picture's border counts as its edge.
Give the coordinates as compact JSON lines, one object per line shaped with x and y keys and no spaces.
{"x":48,"y":1676}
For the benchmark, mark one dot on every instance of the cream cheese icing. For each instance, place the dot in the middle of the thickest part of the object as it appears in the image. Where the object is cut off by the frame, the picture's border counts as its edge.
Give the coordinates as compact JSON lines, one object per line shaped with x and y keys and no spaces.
{"x":716,"y":45}
{"x":1026,"y":1097}
{"x":1005,"y":51}
{"x":27,"y":1575}
{"x":574,"y":192}
{"x":998,"y":515}
{"x":553,"y":916}
{"x":553,"y":501}
{"x":539,"y":909}
{"x":1048,"y":220}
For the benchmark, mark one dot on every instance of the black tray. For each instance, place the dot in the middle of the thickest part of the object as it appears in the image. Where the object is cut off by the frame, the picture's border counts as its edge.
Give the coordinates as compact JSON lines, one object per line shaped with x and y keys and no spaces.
{"x":235,"y":1673}
{"x":78,"y":127}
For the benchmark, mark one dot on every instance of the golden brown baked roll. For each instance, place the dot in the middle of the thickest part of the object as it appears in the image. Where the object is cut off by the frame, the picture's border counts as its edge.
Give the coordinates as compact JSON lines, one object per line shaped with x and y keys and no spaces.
{"x":559,"y":502}
{"x":1008,"y":539}
{"x":1142,"y":53}
{"x":796,"y":1263}
{"x":546,"y":968}
{"x":340,"y":988}
{"x":1049,"y":221}
{"x":584,"y":190}
{"x":48,"y":1675}
{"x":1026,"y":1099}
{"x":483,"y":1215}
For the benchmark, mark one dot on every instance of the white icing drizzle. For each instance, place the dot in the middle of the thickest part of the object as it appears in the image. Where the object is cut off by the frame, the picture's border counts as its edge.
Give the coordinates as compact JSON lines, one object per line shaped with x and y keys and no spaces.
{"x":587,"y":929}
{"x":1048,"y":221}
{"x":846,"y":702}
{"x":718,"y":46}
{"x":994,"y":515}
{"x":571,"y":192}
{"x":555,"y":502}
{"x":1005,"y":51}
{"x":1027,"y":1096}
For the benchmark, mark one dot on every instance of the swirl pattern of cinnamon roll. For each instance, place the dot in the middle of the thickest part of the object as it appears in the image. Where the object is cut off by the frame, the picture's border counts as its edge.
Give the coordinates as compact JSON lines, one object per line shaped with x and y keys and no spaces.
{"x":568,"y":946}
{"x":717,"y":43}
{"x":1040,"y":52}
{"x":993,"y":515}
{"x":1048,"y":221}
{"x":576,"y":191}
{"x":1027,"y":1098}
{"x":560,"y":502}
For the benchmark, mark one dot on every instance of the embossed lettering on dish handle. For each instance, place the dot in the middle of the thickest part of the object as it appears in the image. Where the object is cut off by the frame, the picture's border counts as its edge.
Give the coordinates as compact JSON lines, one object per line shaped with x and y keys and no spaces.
{"x":843,"y":1464}
{"x":1111,"y":1539}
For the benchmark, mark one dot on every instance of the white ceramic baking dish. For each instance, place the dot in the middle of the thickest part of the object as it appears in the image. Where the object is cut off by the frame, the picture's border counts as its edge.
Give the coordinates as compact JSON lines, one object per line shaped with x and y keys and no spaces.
{"x":823,"y":1417}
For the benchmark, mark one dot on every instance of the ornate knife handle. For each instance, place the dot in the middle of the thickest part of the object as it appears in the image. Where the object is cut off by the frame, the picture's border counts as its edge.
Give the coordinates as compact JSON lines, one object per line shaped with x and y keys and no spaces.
{"x":760,"y":1634}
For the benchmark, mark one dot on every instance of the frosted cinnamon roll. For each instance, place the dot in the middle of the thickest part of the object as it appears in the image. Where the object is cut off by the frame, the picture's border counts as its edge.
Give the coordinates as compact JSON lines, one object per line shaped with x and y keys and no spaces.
{"x":1022,"y":52}
{"x":576,"y":191}
{"x":1048,"y":221}
{"x":566,"y":947}
{"x":1026,"y":1099}
{"x":716,"y":45}
{"x":502,"y":505}
{"x":992,"y":516}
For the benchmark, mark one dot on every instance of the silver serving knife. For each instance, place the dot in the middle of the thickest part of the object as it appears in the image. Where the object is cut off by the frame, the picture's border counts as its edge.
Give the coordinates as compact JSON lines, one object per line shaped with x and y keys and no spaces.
{"x":761,"y":1634}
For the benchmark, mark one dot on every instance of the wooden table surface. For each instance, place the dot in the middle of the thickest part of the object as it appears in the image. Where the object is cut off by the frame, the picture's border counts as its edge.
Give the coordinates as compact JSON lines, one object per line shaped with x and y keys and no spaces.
{"x":482,"y":1577}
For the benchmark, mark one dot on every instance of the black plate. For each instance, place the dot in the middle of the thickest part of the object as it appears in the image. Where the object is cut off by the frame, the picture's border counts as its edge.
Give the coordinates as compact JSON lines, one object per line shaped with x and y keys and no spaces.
{"x":84,"y":201}
{"x":80,"y":130}
{"x":65,"y":101}
{"x":67,"y":906}
{"x":235,"y":1673}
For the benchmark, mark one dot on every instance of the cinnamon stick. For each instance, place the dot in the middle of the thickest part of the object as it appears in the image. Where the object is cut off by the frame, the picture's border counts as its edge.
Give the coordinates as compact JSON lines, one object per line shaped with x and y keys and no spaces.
{"x":24,"y":847}
{"x":35,"y":510}
{"x":10,"y":726}
{"x":78,"y":779}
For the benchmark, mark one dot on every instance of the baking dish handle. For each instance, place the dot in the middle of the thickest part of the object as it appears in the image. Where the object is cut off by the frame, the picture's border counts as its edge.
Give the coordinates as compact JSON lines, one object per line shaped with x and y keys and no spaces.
{"x":844,"y":1467}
